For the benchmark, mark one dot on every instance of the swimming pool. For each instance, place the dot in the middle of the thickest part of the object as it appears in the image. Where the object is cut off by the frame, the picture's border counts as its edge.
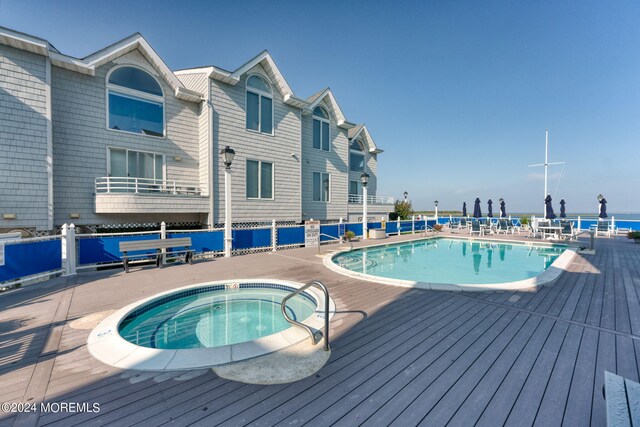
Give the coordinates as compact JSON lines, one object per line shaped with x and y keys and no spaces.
{"x":206,"y":325}
{"x":455,"y":263}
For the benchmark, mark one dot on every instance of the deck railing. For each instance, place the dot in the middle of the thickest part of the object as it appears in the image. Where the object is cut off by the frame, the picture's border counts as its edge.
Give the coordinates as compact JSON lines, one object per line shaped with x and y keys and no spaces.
{"x":125,"y":184}
{"x":373,"y":200}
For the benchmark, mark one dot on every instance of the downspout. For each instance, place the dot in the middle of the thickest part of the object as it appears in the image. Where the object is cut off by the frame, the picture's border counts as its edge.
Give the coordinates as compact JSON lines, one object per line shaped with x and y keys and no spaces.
{"x":49,"y":159}
{"x":210,"y":148}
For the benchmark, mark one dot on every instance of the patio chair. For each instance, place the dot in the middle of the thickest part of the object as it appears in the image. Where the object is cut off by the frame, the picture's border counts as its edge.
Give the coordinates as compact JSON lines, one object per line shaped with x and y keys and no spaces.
{"x":533,"y":232}
{"x":516,"y":226}
{"x":603,"y":228}
{"x":463,"y":223}
{"x":567,"y":229}
{"x":503,"y":227}
{"x":475,"y":228}
{"x":454,"y":225}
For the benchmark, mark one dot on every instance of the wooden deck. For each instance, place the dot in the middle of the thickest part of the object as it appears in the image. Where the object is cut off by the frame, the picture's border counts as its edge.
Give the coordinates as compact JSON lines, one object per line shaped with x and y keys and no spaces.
{"x":400,"y":356}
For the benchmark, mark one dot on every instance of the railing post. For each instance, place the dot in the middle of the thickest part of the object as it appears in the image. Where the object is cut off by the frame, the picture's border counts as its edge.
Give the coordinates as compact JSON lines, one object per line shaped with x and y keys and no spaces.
{"x":613,"y":224}
{"x":163,"y":235}
{"x":174,"y":187}
{"x":398,"y":225}
{"x":69,"y":249}
{"x":135,"y":180}
{"x":579,"y":223}
{"x":108,"y":184}
{"x":413,"y":224}
{"x":274,"y":236}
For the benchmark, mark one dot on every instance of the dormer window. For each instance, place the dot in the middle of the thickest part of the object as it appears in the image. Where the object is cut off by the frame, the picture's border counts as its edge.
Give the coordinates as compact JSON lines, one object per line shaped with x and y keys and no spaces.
{"x":135,"y":102}
{"x":259,"y":105}
{"x":356,"y":156}
{"x":321,"y":131}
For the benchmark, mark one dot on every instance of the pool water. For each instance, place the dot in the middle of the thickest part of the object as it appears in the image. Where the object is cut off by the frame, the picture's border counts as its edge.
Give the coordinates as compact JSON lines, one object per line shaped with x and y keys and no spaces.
{"x":452,"y":261}
{"x":215,"y":318}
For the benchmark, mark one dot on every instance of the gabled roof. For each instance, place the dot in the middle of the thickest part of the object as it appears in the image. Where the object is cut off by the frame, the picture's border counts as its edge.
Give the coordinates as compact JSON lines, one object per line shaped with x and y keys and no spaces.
{"x":363,"y":134}
{"x":330,"y":101}
{"x":233,"y":77}
{"x":89,"y":64}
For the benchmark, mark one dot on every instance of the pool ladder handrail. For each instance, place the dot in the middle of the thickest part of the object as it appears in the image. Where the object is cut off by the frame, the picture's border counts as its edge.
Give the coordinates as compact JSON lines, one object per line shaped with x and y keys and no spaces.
{"x":339,"y":239}
{"x":325,"y":334}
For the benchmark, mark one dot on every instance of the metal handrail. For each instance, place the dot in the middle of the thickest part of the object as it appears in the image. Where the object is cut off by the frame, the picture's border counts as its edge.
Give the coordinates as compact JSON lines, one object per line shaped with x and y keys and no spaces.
{"x":325,"y":335}
{"x":339,"y":239}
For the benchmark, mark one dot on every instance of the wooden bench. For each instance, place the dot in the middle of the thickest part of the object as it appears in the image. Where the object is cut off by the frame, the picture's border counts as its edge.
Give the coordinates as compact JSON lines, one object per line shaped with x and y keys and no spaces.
{"x":623,"y":401}
{"x":157,"y":245}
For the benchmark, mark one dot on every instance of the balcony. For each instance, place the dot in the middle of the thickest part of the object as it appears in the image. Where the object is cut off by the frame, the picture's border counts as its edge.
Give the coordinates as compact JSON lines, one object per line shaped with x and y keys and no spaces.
{"x":145,"y":195}
{"x":372,"y":200}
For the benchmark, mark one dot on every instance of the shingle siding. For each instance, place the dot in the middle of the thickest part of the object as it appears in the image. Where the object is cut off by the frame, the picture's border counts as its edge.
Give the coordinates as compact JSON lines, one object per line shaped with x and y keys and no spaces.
{"x":23,"y":139}
{"x":229,"y":128}
{"x":81,"y":138}
{"x":335,"y":162}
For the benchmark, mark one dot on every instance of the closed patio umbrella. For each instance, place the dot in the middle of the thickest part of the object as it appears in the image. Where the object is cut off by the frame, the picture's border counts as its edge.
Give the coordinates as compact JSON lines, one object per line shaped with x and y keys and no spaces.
{"x":548,"y":209}
{"x":563,"y":213}
{"x":503,"y":210}
{"x":490,"y":208}
{"x":477,"y":213}
{"x":603,"y":207}
{"x":464,"y":208}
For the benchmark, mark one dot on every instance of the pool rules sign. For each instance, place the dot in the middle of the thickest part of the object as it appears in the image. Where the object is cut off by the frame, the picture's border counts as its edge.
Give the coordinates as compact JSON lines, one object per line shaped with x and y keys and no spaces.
{"x":311,"y":233}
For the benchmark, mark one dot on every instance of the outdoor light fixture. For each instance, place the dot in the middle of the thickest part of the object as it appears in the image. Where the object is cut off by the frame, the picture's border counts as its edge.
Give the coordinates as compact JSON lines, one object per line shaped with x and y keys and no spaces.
{"x":501,"y":200}
{"x":365,"y":180}
{"x":227,"y":156}
{"x":9,"y":216}
{"x":405,"y":196}
{"x":436,"y":203}
{"x":74,"y":215}
{"x":600,"y":197}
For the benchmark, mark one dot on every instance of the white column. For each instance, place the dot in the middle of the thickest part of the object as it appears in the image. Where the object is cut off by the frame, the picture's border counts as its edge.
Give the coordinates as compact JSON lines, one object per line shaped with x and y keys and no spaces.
{"x":228,"y":240}
{"x":69,"y":252}
{"x":274,"y":235}
{"x":579,"y":223}
{"x":163,"y":235}
{"x":413,"y":224}
{"x":364,"y":212}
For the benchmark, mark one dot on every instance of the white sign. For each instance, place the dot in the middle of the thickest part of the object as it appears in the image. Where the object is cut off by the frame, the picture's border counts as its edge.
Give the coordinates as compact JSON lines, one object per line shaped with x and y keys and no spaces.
{"x":311,"y":233}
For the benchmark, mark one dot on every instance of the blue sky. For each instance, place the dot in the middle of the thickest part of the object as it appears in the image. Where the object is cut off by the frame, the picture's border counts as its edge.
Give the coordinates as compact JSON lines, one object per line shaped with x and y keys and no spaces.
{"x":458,"y":94}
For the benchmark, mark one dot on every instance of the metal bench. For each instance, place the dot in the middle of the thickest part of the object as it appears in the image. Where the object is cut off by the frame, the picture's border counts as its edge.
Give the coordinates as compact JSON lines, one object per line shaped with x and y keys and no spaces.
{"x":158,"y":245}
{"x":623,"y":400}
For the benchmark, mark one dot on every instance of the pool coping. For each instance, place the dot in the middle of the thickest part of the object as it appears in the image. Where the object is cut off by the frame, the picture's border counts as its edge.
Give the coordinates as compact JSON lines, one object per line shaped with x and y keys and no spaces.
{"x":548,"y":276}
{"x":108,"y":346}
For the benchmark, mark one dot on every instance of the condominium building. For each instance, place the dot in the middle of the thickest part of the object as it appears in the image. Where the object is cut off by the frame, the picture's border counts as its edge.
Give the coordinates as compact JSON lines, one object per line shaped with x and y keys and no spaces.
{"x":118,"y":137}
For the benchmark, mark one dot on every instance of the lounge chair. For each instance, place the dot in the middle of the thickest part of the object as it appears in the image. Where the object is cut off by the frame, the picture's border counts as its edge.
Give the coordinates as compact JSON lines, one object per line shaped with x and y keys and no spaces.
{"x":603,"y":228}
{"x":454,"y":225}
{"x":503,"y":227}
{"x":464,"y":223}
{"x":475,"y":228}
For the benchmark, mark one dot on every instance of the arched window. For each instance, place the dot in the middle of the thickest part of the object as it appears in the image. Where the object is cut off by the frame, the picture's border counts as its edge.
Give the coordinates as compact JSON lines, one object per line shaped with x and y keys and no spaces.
{"x":356,"y":156}
{"x":135,"y":102}
{"x":321,"y":132}
{"x":259,"y":105}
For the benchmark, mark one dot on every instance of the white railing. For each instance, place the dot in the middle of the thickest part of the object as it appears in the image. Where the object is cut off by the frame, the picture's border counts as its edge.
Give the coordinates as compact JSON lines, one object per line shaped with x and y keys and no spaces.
{"x":117,"y":184}
{"x":374,"y":200}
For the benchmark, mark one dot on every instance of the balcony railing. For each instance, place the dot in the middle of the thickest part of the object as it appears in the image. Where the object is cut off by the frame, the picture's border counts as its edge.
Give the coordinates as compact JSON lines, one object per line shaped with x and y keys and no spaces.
{"x":373,"y":200}
{"x":117,"y":184}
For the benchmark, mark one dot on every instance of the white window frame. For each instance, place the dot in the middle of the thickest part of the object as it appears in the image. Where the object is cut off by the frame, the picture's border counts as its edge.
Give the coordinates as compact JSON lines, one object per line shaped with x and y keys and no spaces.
{"x":273,"y":180}
{"x":164,"y":161}
{"x":260,"y":94}
{"x":322,"y":188}
{"x":322,"y":120}
{"x":358,"y":187}
{"x":362,"y":153}
{"x":138,"y":94}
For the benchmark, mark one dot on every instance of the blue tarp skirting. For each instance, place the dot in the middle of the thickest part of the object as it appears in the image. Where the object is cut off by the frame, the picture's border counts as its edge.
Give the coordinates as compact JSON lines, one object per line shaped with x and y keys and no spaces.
{"x":356,"y":228}
{"x":291,"y":236}
{"x":251,"y":238}
{"x":329,"y":230}
{"x":28,"y":259}
{"x":93,"y":250}
{"x":207,"y":241}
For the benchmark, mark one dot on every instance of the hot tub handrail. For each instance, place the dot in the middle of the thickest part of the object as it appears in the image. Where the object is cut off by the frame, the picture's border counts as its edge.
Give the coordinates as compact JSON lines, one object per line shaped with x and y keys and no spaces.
{"x":325,"y":334}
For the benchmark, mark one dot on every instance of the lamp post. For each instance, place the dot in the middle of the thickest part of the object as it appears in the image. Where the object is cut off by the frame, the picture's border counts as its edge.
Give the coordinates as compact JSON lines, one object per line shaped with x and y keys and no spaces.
{"x":227,"y":157}
{"x":436,"y":214}
{"x":365,"y":180}
{"x":405,"y":196}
